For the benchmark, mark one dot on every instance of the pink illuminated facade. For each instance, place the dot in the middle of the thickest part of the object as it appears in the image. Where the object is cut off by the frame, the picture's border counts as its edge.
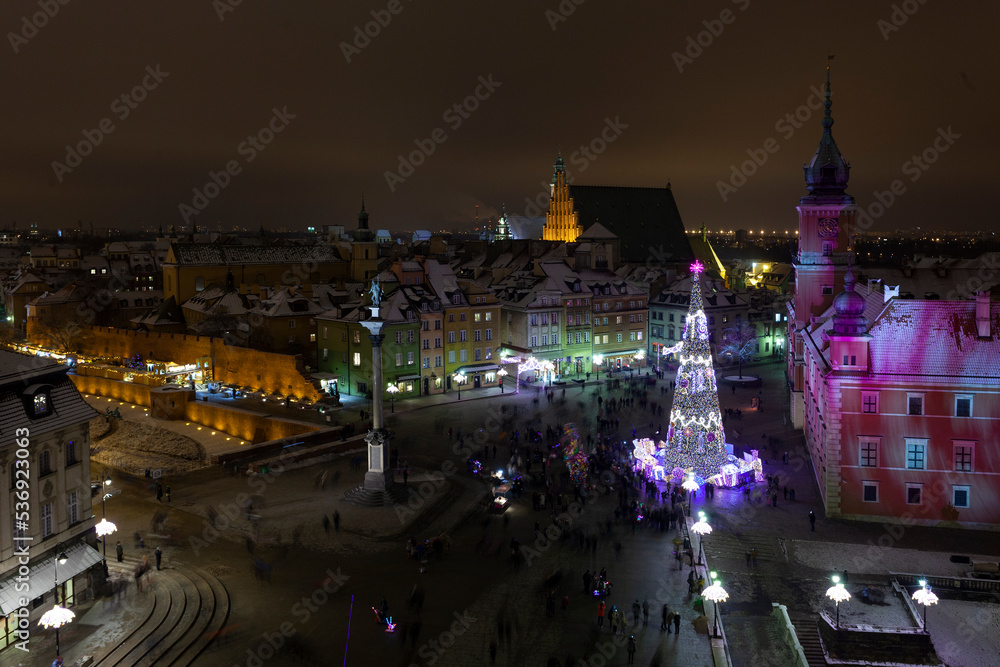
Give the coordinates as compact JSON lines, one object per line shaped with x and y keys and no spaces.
{"x":902,"y":417}
{"x":899,"y":399}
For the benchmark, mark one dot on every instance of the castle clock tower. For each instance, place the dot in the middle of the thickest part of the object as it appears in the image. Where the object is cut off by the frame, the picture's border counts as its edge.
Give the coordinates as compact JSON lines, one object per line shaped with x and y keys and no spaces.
{"x":827,"y":217}
{"x":826,"y":223}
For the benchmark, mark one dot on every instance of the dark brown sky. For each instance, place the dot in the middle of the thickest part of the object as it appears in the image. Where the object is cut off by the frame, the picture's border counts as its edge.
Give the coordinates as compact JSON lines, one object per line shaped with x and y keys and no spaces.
{"x":557,"y":87}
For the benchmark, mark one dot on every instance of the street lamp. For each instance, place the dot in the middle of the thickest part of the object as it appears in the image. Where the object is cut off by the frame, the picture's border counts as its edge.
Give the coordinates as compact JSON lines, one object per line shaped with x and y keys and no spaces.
{"x":716,"y":593}
{"x":460,"y":380}
{"x":501,"y":374}
{"x":838,"y":594}
{"x":393,"y":390}
{"x":691,"y":486}
{"x":57,"y":616}
{"x":105,"y":527}
{"x":924,"y":596}
{"x":701,"y":528}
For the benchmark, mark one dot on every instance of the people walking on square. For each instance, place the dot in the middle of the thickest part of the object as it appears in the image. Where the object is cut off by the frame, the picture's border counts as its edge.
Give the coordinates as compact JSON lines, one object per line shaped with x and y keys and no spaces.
{"x":159,"y":492}
{"x":159,"y":557}
{"x":753,"y":556}
{"x":600,"y":614}
{"x":635,"y":612}
{"x":665,"y":614}
{"x":119,"y":550}
{"x":631,"y":649}
{"x":677,"y":623}
{"x":614,"y":620}
{"x":747,"y":554}
{"x":812,"y":521}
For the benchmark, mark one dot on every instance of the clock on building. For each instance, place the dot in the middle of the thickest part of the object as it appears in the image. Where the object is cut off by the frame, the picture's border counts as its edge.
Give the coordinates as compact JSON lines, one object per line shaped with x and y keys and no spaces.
{"x":828,"y":228}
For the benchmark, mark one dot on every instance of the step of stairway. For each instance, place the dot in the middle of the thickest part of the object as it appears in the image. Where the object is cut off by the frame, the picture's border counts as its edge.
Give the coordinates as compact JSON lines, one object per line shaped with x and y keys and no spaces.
{"x":190,"y":607}
{"x":215,"y":622}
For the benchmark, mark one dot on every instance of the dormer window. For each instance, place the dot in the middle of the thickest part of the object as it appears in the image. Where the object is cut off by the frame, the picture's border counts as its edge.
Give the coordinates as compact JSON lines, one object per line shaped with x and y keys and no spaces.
{"x":41,"y":404}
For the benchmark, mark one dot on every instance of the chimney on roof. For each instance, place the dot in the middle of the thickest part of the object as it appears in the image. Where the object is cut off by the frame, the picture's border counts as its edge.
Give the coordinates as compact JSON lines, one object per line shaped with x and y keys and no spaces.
{"x":890,"y":292}
{"x":983,"y":314}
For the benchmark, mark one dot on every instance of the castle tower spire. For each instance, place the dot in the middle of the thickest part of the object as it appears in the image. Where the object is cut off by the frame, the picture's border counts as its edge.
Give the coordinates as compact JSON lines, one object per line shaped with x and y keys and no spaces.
{"x":828,"y":172}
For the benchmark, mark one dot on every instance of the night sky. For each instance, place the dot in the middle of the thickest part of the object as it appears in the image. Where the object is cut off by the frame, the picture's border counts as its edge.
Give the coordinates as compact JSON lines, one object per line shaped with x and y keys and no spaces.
{"x":893,"y":90}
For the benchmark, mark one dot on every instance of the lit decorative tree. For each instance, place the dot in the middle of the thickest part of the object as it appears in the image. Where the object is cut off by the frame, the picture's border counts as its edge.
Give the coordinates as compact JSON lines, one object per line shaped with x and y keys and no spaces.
{"x":696,"y":440}
{"x":740,"y":342}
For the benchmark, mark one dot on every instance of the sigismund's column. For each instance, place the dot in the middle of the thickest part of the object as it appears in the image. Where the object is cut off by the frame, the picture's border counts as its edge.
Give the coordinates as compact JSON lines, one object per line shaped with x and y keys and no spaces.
{"x":377,"y":478}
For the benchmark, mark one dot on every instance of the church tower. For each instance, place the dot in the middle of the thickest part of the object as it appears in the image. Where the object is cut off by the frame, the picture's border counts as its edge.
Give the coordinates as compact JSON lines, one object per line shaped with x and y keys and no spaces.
{"x":503,"y":228}
{"x":561,"y":223}
{"x":826,"y":222}
{"x":364,"y":249}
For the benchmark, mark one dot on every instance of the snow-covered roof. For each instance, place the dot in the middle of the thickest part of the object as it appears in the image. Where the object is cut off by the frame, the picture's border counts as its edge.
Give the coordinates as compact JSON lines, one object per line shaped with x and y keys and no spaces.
{"x":934,"y":338}
{"x":200,"y":254}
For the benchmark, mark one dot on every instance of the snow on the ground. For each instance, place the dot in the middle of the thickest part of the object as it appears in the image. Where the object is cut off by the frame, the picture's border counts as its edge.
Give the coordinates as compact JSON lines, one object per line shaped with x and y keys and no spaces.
{"x":965,"y":634}
{"x":135,"y":446}
{"x":873,"y":559}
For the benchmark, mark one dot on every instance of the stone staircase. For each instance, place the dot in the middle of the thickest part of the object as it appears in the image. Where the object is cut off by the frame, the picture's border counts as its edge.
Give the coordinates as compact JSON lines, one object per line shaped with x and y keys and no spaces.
{"x":189,"y":608}
{"x":808,"y":634}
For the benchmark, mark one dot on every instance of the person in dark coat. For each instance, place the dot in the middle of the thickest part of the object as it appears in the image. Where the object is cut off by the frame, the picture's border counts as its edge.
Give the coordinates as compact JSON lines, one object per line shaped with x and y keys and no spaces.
{"x":159,"y":557}
{"x":677,"y":624}
{"x":119,"y":551}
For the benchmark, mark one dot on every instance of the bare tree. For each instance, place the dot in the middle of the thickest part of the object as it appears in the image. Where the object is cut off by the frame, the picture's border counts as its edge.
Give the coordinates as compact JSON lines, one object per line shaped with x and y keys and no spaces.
{"x":740,"y":342}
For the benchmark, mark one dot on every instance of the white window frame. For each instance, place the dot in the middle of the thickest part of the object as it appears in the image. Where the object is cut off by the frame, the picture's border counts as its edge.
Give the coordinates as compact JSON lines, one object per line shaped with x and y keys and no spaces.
{"x":73,"y":507}
{"x":47,"y":520}
{"x":923,"y":407}
{"x":865,"y":395}
{"x":916,"y":442}
{"x":869,"y":484}
{"x":971,"y":444}
{"x":959,"y":397}
{"x":868,"y":440}
{"x":957,"y":488}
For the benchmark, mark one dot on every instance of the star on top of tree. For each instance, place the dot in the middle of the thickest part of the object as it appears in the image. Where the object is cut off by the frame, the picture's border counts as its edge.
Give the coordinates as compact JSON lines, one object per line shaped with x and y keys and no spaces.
{"x":697,"y":267}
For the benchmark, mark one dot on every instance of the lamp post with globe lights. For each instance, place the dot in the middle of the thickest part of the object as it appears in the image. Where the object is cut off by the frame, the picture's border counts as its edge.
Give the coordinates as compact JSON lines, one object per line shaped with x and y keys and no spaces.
{"x":460,"y":379}
{"x":925,"y":597}
{"x":838,"y":594}
{"x":716,"y":593}
{"x":701,"y":528}
{"x":105,"y":527}
{"x":691,"y":486}
{"x":57,"y":616}
{"x":392,"y":391}
{"x":501,"y":374}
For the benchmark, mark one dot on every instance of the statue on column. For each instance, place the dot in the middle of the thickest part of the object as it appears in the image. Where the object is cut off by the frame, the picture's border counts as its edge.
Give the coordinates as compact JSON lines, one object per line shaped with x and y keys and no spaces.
{"x":376,"y":293}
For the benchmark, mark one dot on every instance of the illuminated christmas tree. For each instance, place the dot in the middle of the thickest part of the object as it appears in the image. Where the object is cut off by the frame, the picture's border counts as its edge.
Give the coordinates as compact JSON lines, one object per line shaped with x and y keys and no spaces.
{"x":695,"y":440}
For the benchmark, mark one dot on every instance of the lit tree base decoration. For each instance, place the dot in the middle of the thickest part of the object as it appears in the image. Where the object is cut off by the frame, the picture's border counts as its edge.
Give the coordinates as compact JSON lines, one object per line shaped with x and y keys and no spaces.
{"x":695,"y":442}
{"x":658,"y":462}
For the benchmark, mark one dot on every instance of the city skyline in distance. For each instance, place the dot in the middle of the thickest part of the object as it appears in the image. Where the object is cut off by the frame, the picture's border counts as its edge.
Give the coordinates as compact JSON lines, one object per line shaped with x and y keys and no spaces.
{"x":284,"y":117}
